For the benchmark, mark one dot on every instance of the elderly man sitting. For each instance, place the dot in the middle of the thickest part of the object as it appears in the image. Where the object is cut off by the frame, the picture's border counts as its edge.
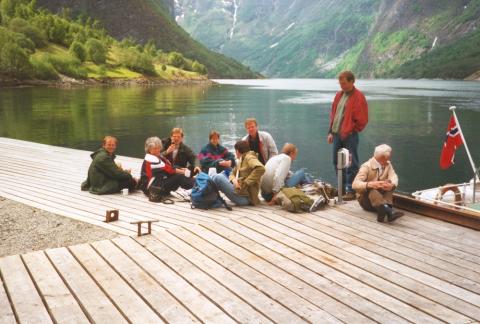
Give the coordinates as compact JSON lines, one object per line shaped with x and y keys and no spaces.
{"x":375,"y":182}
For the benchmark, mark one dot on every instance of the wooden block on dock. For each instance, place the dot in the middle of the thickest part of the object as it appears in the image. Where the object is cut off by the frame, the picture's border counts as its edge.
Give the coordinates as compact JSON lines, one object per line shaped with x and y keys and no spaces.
{"x":111,"y":215}
{"x":139,"y":224}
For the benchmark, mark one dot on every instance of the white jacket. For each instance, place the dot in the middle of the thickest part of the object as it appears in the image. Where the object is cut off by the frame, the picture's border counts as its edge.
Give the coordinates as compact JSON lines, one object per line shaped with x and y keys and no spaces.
{"x":267,"y":145}
{"x":276,"y":171}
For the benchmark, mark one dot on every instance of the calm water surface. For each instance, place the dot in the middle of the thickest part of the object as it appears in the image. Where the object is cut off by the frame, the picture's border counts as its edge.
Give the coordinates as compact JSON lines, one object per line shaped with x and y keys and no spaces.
{"x":411,"y":116}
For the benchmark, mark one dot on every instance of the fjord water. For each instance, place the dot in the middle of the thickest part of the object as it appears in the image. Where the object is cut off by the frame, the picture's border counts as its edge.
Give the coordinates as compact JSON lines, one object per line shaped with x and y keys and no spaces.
{"x":411,"y":116}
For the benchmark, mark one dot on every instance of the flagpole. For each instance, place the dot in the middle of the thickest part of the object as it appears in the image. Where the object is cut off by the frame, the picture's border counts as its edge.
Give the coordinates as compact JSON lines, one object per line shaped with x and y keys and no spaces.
{"x":452,"y":109}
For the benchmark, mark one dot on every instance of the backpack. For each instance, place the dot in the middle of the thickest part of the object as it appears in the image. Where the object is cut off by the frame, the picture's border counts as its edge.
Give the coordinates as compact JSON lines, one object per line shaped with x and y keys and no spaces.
{"x":205,"y":194}
{"x":294,"y":200}
{"x":156,"y":193}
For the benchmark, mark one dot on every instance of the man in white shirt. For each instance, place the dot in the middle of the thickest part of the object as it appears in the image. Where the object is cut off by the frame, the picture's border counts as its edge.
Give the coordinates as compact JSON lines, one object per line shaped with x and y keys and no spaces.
{"x":277,"y":173}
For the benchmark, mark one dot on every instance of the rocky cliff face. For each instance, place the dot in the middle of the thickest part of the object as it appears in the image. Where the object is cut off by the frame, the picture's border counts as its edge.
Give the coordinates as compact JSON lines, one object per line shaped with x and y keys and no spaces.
{"x":304,"y":38}
{"x":146,"y":20}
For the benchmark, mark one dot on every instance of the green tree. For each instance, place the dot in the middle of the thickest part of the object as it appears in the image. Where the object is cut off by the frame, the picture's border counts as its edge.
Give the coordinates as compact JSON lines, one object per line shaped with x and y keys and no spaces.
{"x":176,"y":59}
{"x":22,"y":26}
{"x":132,"y":59}
{"x":78,"y":50}
{"x":8,"y":9}
{"x":199,"y":68}
{"x":96,"y":51}
{"x":14,"y":61}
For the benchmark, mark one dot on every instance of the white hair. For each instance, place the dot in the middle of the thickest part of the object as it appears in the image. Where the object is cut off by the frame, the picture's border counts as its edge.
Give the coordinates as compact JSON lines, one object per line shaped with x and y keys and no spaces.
{"x":152,"y":142}
{"x":382,"y":150}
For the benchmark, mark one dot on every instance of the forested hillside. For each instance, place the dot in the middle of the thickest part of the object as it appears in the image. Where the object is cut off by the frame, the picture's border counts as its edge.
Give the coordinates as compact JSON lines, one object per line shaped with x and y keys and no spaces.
{"x":375,"y":38}
{"x":150,"y":21}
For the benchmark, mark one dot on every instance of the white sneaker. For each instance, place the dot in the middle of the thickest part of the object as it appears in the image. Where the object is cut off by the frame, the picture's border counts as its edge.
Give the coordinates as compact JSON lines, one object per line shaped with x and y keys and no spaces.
{"x":318,"y":203}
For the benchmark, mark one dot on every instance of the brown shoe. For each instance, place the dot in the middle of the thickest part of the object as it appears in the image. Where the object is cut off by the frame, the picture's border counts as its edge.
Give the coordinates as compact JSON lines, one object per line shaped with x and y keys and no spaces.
{"x":349,"y":196}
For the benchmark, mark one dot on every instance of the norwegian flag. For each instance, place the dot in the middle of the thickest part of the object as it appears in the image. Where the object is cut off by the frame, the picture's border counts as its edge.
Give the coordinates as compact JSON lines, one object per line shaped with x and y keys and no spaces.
{"x":452,"y":141}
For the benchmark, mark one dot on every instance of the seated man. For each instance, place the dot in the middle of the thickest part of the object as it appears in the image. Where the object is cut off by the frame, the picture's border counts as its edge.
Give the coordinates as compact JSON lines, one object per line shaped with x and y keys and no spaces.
{"x":179,"y":154}
{"x":277,"y":171}
{"x":158,"y":171}
{"x":245,"y":177}
{"x":260,"y":142}
{"x":104,"y":176}
{"x":214,"y":155}
{"x":375,"y":182}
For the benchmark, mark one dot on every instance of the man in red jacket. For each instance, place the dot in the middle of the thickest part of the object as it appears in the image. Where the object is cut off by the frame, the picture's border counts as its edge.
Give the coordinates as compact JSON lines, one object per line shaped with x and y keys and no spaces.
{"x":348,"y":117}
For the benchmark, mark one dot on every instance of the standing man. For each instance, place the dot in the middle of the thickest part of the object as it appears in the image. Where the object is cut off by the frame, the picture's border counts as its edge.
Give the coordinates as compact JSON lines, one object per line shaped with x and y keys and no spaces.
{"x":260,"y":142}
{"x":348,"y":117}
{"x":179,"y":154}
{"x":375,"y":183}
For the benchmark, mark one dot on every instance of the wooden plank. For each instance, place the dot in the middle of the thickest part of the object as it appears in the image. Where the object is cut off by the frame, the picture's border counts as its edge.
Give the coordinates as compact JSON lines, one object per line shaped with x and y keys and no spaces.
{"x":65,"y":210}
{"x":96,"y":305}
{"x":308,"y":232}
{"x":227,"y":300}
{"x":202,"y":307}
{"x":392,"y":232}
{"x":124,"y":297}
{"x":61,"y":303}
{"x":239,"y":286}
{"x":289,"y":299}
{"x":322,"y":293}
{"x":293,"y":237}
{"x":150,"y":291}
{"x":26,"y":302}
{"x":6,"y":312}
{"x":363,"y":298}
{"x":419,"y":231}
{"x":430,"y":280}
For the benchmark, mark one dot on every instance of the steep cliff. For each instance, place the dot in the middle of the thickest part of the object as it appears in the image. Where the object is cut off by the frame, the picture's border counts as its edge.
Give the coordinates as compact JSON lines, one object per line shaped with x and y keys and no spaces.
{"x":303,"y":38}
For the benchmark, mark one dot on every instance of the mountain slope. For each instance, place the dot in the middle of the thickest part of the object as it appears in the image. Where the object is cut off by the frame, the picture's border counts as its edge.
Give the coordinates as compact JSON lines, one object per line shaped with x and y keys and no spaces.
{"x":304,"y":38}
{"x":146,"y":20}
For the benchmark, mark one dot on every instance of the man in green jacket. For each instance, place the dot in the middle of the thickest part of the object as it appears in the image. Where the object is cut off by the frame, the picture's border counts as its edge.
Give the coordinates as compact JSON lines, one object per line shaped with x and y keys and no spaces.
{"x":244,"y":184}
{"x":104,"y":176}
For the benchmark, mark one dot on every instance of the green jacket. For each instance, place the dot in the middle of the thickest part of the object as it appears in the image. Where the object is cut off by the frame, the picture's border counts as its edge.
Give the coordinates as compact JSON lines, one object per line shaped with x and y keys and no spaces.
{"x":249,"y":176}
{"x":104,"y":175}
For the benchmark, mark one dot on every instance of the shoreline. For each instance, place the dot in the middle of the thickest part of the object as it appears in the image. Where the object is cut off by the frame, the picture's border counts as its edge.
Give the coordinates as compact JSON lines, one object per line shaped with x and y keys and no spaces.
{"x":25,"y":229}
{"x":66,"y":82}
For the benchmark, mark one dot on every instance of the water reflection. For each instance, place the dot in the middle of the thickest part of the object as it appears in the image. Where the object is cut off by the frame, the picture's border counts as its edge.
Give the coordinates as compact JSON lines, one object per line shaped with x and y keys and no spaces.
{"x":411,"y":116}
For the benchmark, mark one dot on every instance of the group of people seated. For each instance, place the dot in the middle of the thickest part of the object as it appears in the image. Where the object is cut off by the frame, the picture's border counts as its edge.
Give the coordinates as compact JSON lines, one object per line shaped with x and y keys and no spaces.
{"x":256,"y":168}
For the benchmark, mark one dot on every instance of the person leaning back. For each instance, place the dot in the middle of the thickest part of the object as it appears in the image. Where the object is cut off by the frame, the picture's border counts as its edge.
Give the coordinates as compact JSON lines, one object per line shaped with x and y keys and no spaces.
{"x":104,"y":176}
{"x":348,"y":117}
{"x":260,"y":142}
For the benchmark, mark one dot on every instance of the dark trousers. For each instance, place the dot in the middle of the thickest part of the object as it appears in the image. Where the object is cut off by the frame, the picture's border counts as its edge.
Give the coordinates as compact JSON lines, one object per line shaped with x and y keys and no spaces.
{"x":177,"y":180}
{"x":351,"y":144}
{"x":129,"y":183}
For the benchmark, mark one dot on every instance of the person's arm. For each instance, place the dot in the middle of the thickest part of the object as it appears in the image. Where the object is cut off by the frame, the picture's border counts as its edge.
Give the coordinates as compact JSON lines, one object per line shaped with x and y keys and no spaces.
{"x":107,"y":166}
{"x":206,"y":161}
{"x":360,"y":182}
{"x":360,"y":113}
{"x":256,"y":174}
{"x":281,"y":173}
{"x":272,"y":147}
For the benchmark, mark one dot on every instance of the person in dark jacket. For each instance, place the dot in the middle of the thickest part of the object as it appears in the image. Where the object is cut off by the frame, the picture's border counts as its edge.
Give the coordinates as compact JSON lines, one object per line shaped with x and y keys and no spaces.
{"x":179,"y":154}
{"x":104,"y":176}
{"x":158,"y":171}
{"x":214,"y":155}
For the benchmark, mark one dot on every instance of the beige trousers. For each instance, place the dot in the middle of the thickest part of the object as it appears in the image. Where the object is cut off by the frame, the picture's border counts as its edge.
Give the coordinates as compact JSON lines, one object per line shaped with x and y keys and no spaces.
{"x":372,"y":198}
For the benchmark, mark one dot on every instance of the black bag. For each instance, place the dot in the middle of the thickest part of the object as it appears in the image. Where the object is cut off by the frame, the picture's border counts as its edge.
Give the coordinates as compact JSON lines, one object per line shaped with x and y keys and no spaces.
{"x":157,"y":193}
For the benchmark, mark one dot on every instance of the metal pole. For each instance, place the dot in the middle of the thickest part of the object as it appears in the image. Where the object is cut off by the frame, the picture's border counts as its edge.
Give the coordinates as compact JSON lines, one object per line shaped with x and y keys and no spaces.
{"x":340,"y":185}
{"x":452,"y":109}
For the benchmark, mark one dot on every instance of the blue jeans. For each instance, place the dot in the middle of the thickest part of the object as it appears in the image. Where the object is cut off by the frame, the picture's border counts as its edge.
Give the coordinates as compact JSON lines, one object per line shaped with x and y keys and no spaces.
{"x":351,"y":144}
{"x":225,"y":186}
{"x":299,"y":177}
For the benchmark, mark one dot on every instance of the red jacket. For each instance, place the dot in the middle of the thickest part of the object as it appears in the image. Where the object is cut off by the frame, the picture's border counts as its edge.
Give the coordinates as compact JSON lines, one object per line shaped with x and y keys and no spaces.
{"x":355,"y":113}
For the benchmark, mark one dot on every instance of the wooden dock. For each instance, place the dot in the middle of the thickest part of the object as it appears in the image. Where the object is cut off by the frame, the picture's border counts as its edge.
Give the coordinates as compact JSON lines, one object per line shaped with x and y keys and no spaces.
{"x":253,"y":264}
